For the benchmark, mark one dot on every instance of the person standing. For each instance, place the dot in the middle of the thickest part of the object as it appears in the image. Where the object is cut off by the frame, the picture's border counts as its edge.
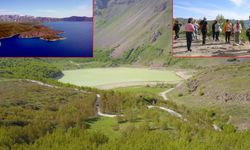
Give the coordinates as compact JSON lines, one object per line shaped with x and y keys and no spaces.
{"x":228,"y":31}
{"x":196,"y":30}
{"x":248,"y":34}
{"x":204,"y":29}
{"x":248,"y":23}
{"x":237,"y":31}
{"x":189,"y":28}
{"x":248,"y":29}
{"x":177,"y":27}
{"x":217,"y":30}
{"x":213,"y":29}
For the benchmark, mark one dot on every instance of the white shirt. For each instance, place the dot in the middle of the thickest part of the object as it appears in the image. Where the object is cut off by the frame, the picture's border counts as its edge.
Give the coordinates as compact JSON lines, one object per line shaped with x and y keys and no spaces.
{"x":237,"y":30}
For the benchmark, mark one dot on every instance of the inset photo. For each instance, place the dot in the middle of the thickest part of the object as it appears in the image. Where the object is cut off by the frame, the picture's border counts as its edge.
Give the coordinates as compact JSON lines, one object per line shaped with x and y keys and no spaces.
{"x":48,"y":28}
{"x":214,"y":28}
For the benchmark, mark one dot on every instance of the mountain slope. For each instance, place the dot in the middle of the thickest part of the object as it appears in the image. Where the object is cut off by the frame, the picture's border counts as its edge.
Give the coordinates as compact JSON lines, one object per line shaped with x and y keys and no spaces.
{"x":129,"y":24}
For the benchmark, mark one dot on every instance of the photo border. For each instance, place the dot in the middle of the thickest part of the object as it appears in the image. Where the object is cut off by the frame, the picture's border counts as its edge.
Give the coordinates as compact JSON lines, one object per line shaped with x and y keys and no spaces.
{"x":93,"y":55}
{"x":172,"y":50}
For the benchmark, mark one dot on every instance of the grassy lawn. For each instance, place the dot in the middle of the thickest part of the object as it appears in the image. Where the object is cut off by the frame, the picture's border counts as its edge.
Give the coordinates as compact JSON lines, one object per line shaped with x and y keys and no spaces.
{"x":105,"y":76}
{"x":104,"y":125}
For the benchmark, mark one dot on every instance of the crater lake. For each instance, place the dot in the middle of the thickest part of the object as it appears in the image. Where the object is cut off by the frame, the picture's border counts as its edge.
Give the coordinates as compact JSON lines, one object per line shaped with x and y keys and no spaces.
{"x":77,"y":43}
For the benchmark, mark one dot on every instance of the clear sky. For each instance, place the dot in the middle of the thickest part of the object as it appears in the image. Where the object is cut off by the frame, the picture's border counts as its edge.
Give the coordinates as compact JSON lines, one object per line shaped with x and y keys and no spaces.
{"x":47,"y":8}
{"x":231,"y":9}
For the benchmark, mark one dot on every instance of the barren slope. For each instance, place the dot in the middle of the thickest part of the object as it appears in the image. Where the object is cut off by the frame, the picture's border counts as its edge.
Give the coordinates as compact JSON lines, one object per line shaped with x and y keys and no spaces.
{"x":128,"y":24}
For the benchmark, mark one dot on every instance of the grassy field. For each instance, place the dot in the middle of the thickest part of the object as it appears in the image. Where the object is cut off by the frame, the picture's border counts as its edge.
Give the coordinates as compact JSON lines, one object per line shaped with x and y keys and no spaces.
{"x":143,"y":89}
{"x":97,"y":77}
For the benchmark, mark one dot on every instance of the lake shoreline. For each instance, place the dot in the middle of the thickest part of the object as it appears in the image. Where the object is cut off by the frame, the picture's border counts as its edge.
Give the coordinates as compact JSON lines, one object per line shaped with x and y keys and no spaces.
{"x":33,"y":31}
{"x":118,"y":77}
{"x":74,"y":39}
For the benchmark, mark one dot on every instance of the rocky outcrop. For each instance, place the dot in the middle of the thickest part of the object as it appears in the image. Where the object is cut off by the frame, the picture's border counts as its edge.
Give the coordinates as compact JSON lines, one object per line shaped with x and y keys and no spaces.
{"x":155,"y":36}
{"x":131,"y":24}
{"x":43,"y":33}
{"x":160,"y":7}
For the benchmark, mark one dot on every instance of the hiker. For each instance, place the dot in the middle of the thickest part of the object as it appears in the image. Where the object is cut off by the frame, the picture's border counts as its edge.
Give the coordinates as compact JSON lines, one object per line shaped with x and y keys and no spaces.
{"x":217,"y":30}
{"x":248,"y":34}
{"x":213,"y":29}
{"x":177,"y":27}
{"x":237,"y":31}
{"x":248,"y":22}
{"x":204,"y":29}
{"x":196,"y":30}
{"x":248,"y":29}
{"x":189,"y":28}
{"x":228,"y":31}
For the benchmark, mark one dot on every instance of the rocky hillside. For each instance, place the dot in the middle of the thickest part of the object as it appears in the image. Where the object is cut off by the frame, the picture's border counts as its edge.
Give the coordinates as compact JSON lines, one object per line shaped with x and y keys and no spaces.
{"x":126,"y":25}
{"x":225,"y":83}
{"x":222,"y":87}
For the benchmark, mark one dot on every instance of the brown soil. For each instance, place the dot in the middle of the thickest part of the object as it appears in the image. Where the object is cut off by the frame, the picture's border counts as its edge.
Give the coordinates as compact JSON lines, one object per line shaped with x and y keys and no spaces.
{"x":212,"y":48}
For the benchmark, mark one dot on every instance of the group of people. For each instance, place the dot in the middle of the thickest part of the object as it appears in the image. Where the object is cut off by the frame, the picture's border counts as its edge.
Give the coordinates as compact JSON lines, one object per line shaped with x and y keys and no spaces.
{"x":192,"y":29}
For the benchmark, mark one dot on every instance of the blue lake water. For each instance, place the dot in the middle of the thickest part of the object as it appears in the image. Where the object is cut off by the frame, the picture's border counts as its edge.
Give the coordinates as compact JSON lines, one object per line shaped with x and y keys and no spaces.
{"x":78,"y":43}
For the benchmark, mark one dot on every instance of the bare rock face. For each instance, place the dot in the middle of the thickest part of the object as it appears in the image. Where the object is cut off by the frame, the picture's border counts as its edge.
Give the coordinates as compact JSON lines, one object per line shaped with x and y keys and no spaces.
{"x":42,"y":32}
{"x":155,"y":36}
{"x":227,"y":97}
{"x":160,"y":7}
{"x":99,"y":5}
{"x":193,"y":85}
{"x":130,"y":24}
{"x":121,"y":2}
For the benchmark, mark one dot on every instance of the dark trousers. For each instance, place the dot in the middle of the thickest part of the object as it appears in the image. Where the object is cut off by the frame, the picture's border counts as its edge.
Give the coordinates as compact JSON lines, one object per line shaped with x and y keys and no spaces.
{"x":204,"y":36}
{"x":217,"y":34}
{"x":176,"y":34}
{"x":214,"y":35}
{"x":189,"y":36}
{"x":228,"y":35}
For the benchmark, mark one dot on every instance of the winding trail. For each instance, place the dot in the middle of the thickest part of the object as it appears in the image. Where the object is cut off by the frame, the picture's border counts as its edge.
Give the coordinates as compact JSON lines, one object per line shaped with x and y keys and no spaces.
{"x":170,"y":111}
{"x":164,"y":94}
{"x":183,"y":75}
{"x":99,"y":113}
{"x":40,"y":83}
{"x":48,"y":85}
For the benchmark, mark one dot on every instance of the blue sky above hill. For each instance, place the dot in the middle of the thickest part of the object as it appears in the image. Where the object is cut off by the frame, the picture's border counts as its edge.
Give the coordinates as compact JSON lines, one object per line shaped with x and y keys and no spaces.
{"x":231,"y":9}
{"x":47,"y":8}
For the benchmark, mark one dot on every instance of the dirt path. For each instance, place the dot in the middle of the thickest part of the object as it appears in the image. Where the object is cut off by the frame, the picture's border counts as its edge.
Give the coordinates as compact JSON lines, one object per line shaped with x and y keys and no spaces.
{"x":184,"y":74}
{"x":99,"y":113}
{"x":49,"y":85}
{"x":164,"y":94}
{"x":212,"y":48}
{"x":170,"y":111}
{"x":105,"y":115}
{"x":40,"y":83}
